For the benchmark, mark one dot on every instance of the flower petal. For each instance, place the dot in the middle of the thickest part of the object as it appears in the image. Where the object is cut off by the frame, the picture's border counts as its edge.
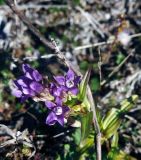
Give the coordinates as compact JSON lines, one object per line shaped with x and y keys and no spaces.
{"x":70,"y":74}
{"x":37,"y":76}
{"x":60,"y":120}
{"x":60,"y":80}
{"x":28,"y":75}
{"x":24,"y":98}
{"x":16,"y":84}
{"x":58,"y":101}
{"x":65,"y":109}
{"x":77,"y":80}
{"x":37,"y":87}
{"x":16,"y":93}
{"x":23,"y":81}
{"x":28,"y":91}
{"x":50,"y":104}
{"x":27,"y":68}
{"x":74,"y":91}
{"x":51,"y":119}
{"x":57,"y":92}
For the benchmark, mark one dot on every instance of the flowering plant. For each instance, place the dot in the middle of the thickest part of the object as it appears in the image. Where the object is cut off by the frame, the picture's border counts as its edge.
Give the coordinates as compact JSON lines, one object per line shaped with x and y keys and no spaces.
{"x":63,"y":96}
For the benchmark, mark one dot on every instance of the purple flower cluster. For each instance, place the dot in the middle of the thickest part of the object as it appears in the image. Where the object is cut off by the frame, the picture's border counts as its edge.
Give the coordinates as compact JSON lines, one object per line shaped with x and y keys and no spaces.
{"x":28,"y":85}
{"x":64,"y":85}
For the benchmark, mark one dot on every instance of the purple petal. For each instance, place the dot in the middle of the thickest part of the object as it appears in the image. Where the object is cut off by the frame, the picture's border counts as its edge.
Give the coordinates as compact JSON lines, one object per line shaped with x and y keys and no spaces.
{"x":37,"y":87}
{"x":60,"y":120}
{"x":23,"y":81}
{"x":74,"y":91}
{"x":28,"y":91}
{"x":50,"y":104}
{"x":17,"y":85}
{"x":24,"y":98}
{"x":52,"y":85}
{"x":51,"y":119}
{"x":16,"y":93}
{"x":70,"y":74}
{"x":27,"y":68}
{"x":58,"y":101}
{"x":60,"y":80}
{"x":28,"y":75}
{"x":57,"y":91}
{"x":37,"y":76}
{"x":65,"y":109}
{"x":77,"y":80}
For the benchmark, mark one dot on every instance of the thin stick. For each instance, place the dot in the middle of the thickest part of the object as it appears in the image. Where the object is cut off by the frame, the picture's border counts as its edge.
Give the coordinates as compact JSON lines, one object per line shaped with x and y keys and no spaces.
{"x":60,"y":55}
{"x":99,"y":64}
{"x":104,"y":43}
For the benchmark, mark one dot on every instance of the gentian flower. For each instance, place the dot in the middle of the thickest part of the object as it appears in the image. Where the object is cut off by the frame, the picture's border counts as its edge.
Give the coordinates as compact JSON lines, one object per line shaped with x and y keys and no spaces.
{"x":28,"y":85}
{"x":69,"y":82}
{"x":58,"y":112}
{"x":58,"y":91}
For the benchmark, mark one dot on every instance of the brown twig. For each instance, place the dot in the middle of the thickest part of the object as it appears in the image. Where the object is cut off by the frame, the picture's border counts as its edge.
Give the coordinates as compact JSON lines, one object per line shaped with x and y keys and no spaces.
{"x":60,"y":55}
{"x":104,"y":43}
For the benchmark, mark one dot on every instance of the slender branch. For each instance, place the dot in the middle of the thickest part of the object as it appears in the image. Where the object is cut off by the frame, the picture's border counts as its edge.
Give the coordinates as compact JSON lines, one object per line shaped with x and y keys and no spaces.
{"x":104,"y":43}
{"x":94,"y":45}
{"x":60,"y":55}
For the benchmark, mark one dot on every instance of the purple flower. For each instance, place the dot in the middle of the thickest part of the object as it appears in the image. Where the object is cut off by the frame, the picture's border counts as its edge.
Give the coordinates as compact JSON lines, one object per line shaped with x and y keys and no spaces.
{"x":58,"y":112}
{"x":69,"y":82}
{"x":58,"y":91}
{"x":29,"y":84}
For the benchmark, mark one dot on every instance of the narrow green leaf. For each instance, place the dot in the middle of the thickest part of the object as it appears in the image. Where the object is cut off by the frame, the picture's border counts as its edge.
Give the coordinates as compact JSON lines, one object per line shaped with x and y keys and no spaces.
{"x":128,"y":103}
{"x":83,"y":85}
{"x":111,"y":116}
{"x":86,"y":122}
{"x":111,"y":130}
{"x":115,"y":140}
{"x":113,"y":119}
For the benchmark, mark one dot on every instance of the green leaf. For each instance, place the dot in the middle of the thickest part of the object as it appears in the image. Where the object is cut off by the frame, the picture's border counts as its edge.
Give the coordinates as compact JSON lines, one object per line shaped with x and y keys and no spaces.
{"x":86,"y":122}
{"x":128,"y":103}
{"x":111,"y":117}
{"x":95,"y":84}
{"x":115,"y":140}
{"x":84,"y":65}
{"x":120,"y":57}
{"x":77,"y":136}
{"x":83,"y":86}
{"x":116,"y":154}
{"x":111,"y":130}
